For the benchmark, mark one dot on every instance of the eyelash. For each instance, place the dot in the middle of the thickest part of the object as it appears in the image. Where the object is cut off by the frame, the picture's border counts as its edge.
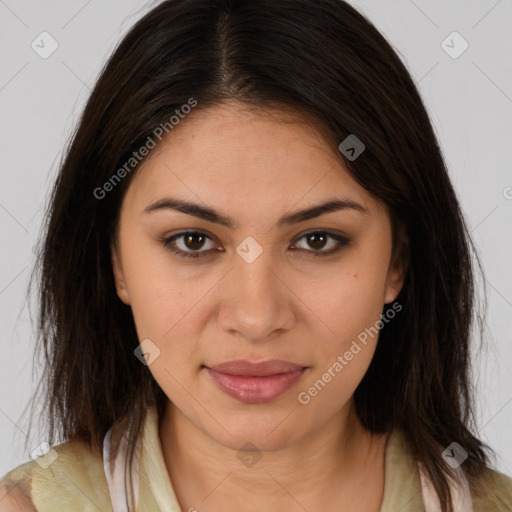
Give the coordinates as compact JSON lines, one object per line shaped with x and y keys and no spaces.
{"x":168,"y":244}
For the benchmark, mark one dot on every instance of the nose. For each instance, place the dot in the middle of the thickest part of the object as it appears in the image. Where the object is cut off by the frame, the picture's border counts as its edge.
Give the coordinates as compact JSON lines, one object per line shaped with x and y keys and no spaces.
{"x":255,"y":300}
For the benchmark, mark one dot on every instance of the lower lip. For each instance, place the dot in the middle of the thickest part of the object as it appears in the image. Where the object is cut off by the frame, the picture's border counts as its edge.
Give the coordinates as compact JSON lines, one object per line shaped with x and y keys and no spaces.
{"x":255,"y":390}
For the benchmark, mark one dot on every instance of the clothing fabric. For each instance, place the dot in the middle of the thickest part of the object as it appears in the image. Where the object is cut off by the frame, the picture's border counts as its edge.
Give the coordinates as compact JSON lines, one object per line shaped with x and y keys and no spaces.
{"x":119,"y":491}
{"x":83,"y":479}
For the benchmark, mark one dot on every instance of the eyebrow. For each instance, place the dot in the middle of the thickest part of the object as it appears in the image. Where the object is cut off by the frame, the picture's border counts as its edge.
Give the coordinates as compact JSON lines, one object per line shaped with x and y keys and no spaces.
{"x":210,"y":214}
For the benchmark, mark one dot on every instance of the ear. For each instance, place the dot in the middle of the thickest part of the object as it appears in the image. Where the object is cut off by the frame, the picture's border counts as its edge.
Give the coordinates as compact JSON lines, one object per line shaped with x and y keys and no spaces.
{"x":120,"y":282}
{"x":395,"y":279}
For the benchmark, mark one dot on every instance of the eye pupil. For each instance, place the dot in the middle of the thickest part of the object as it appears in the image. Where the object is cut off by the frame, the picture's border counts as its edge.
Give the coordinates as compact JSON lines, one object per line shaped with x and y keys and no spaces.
{"x":315,"y":237}
{"x":194,"y":245}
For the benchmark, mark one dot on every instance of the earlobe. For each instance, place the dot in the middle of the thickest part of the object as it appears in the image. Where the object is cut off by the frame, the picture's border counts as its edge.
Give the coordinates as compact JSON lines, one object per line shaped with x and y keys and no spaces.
{"x":119,"y":279}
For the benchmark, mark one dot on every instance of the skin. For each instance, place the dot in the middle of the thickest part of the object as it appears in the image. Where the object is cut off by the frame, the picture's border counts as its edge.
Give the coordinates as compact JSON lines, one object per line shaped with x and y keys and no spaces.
{"x":287,"y":304}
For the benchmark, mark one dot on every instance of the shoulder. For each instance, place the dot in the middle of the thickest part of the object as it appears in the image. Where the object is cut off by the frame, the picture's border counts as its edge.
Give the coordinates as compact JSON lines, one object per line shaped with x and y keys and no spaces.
{"x":492,"y":491}
{"x":15,"y":490}
{"x":66,"y":477}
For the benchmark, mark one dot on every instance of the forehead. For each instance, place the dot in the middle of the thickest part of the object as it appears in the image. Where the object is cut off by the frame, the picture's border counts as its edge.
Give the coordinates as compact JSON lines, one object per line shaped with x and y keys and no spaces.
{"x":246,"y":161}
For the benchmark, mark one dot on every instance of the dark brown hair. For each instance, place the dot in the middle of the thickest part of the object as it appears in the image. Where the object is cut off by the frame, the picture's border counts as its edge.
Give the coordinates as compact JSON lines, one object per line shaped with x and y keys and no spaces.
{"x":326,"y":61}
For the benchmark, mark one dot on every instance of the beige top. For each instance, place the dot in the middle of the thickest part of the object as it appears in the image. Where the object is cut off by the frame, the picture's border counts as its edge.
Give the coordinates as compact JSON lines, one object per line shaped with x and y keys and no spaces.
{"x":71,"y":478}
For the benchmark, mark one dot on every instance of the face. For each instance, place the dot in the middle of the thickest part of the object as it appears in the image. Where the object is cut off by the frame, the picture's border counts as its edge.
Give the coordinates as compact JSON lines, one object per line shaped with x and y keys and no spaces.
{"x":254,"y":281}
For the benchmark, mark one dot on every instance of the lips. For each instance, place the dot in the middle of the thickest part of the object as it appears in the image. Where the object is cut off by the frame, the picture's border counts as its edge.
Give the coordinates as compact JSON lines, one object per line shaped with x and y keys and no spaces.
{"x":255,"y":382}
{"x":256,"y":369}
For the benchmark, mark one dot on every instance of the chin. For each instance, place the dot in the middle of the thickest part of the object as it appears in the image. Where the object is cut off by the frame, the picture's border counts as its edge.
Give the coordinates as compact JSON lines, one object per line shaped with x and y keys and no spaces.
{"x":268,"y":432}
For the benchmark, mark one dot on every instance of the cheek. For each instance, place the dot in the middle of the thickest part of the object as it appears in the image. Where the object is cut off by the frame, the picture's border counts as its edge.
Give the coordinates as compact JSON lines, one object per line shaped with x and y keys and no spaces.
{"x":346,"y":303}
{"x":342,"y":355}
{"x":347,"y":306}
{"x":165,"y":308}
{"x":162,"y":300}
{"x":162,"y":291}
{"x":167,"y":314}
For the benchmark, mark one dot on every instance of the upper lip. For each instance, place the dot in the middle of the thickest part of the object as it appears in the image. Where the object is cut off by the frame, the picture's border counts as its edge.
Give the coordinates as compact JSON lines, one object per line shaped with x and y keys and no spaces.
{"x":256,"y":369}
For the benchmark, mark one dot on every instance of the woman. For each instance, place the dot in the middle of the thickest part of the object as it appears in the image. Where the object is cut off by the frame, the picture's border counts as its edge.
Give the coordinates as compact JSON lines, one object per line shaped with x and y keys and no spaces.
{"x":256,"y":287}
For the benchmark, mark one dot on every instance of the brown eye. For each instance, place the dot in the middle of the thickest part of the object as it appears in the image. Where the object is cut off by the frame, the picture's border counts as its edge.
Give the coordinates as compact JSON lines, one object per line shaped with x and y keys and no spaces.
{"x":194,"y":241}
{"x":318,"y":240}
{"x":190,"y":244}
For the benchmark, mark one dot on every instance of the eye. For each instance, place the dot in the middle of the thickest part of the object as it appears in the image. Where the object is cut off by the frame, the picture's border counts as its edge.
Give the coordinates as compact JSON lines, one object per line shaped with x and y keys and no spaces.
{"x":188,"y":243}
{"x":193,"y":240}
{"x":318,"y":240}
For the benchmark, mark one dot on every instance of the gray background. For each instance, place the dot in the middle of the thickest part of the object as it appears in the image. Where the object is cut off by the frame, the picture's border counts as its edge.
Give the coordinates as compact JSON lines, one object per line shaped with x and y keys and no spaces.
{"x":469,"y":99}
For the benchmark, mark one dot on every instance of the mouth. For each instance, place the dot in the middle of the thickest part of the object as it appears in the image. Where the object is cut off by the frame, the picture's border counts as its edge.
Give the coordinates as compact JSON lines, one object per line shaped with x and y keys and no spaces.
{"x":255,"y":382}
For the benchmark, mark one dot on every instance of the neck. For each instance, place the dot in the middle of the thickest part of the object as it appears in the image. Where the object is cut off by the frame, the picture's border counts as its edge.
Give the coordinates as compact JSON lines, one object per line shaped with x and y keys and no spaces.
{"x":339,"y":456}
